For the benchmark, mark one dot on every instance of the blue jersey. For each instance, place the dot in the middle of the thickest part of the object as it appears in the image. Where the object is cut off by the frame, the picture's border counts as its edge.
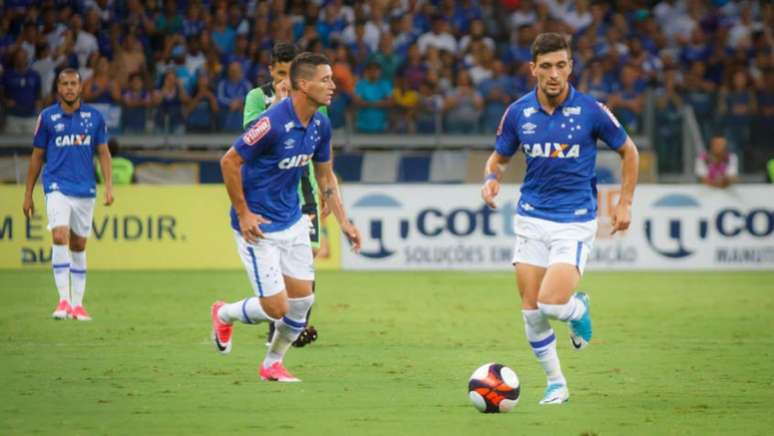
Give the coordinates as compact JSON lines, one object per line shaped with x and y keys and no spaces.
{"x":561,"y":151}
{"x":69,"y":142}
{"x":276,"y":149}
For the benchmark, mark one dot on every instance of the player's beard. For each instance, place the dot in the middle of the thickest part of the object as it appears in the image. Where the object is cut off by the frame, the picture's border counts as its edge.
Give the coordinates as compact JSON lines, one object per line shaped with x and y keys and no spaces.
{"x":552,"y":95}
{"x":72,"y":102}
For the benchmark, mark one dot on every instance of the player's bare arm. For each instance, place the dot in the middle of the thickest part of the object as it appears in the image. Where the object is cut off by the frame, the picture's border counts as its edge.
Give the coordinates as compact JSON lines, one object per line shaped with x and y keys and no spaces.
{"x":36,"y":163}
{"x":105,"y":163}
{"x":330,"y":192}
{"x":325,"y":210}
{"x":493,"y":173}
{"x":630,"y":164}
{"x":230,"y":166}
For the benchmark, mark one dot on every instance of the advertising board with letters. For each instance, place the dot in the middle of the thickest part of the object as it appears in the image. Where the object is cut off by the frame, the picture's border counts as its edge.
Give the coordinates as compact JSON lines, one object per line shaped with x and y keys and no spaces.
{"x":411,"y":227}
{"x":148,"y":227}
{"x":674,"y":227}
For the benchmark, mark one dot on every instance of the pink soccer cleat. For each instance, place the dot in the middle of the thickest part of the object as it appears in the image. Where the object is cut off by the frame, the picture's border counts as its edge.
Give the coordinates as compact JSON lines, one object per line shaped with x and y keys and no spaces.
{"x":62,"y":310}
{"x":277,"y":372}
{"x":80,"y":314}
{"x":221,"y":332}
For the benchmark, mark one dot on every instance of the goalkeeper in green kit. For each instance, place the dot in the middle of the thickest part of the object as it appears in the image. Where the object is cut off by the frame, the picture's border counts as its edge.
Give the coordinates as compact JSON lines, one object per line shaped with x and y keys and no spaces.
{"x":256,"y":102}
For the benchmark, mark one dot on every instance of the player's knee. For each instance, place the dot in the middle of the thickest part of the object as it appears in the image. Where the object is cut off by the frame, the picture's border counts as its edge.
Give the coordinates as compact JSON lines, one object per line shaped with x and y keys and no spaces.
{"x":529,"y":300}
{"x":275,"y":308}
{"x":77,"y":244}
{"x":60,"y":235}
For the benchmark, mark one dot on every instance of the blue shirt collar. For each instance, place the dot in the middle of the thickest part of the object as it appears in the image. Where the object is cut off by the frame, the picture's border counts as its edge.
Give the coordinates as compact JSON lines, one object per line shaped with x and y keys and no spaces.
{"x":62,"y":111}
{"x":288,"y":102}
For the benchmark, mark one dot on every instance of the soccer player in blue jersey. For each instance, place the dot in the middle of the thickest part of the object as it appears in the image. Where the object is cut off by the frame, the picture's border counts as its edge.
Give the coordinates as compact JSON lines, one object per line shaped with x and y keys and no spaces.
{"x":256,"y":102}
{"x":261,"y":172}
{"x":557,"y":128}
{"x":67,"y":136}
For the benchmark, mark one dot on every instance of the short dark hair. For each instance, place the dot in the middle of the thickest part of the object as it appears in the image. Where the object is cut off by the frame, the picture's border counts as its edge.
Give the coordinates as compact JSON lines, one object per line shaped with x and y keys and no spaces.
{"x":68,"y":71}
{"x":305,"y":65}
{"x":549,"y":43}
{"x":283,"y":52}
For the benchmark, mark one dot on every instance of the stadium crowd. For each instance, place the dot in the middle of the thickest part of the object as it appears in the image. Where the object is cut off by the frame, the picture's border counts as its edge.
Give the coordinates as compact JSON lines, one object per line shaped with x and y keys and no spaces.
{"x":400,"y":65}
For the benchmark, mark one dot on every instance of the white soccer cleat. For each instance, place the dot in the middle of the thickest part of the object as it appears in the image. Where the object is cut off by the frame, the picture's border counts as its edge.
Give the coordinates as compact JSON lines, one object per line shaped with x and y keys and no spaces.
{"x":555,"y":394}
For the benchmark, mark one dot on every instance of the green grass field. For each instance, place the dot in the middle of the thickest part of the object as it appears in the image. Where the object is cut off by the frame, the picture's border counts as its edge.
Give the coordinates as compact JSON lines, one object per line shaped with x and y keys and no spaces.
{"x":672,"y":354}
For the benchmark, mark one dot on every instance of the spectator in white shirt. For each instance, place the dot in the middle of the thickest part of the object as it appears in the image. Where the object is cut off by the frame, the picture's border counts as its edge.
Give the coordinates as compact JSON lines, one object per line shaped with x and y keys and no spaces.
{"x":45,"y":65}
{"x":438,"y":36}
{"x":477,"y":33}
{"x":717,"y":167}
{"x":558,"y":8}
{"x":371,"y":34}
{"x":525,"y":14}
{"x":85,"y":42}
{"x":579,"y":17}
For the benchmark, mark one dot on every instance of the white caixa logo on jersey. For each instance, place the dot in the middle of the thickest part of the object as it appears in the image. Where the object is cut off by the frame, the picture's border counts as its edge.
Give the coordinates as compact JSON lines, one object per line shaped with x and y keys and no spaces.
{"x":258,"y":131}
{"x":298,"y":160}
{"x":67,"y":140}
{"x":552,"y":150}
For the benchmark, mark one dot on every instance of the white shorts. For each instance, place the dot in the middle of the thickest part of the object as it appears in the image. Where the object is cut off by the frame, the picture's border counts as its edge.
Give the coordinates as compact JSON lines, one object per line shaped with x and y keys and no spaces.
{"x":543,"y":243}
{"x":73,"y":212}
{"x":284,"y":253}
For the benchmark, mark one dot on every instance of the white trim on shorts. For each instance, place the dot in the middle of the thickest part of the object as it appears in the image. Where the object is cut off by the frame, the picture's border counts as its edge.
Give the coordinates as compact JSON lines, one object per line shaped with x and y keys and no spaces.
{"x":543,"y":243}
{"x":284,"y":253}
{"x":76,"y":213}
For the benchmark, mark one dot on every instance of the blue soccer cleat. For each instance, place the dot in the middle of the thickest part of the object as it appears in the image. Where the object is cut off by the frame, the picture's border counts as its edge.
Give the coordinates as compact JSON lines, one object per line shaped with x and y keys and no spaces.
{"x":555,"y":394}
{"x":580,"y":330}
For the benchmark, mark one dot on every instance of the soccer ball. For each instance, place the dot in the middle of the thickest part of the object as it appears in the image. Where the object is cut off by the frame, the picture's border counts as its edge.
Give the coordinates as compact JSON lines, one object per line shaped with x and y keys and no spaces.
{"x":494,"y":388}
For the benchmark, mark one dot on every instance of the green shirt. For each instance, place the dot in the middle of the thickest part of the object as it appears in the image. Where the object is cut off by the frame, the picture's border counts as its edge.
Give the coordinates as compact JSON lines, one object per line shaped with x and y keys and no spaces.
{"x":255,"y":104}
{"x":123,"y":171}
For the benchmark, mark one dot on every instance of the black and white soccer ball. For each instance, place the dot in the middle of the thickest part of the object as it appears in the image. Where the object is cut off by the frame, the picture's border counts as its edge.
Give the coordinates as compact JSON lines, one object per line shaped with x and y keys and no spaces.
{"x":494,"y":388}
